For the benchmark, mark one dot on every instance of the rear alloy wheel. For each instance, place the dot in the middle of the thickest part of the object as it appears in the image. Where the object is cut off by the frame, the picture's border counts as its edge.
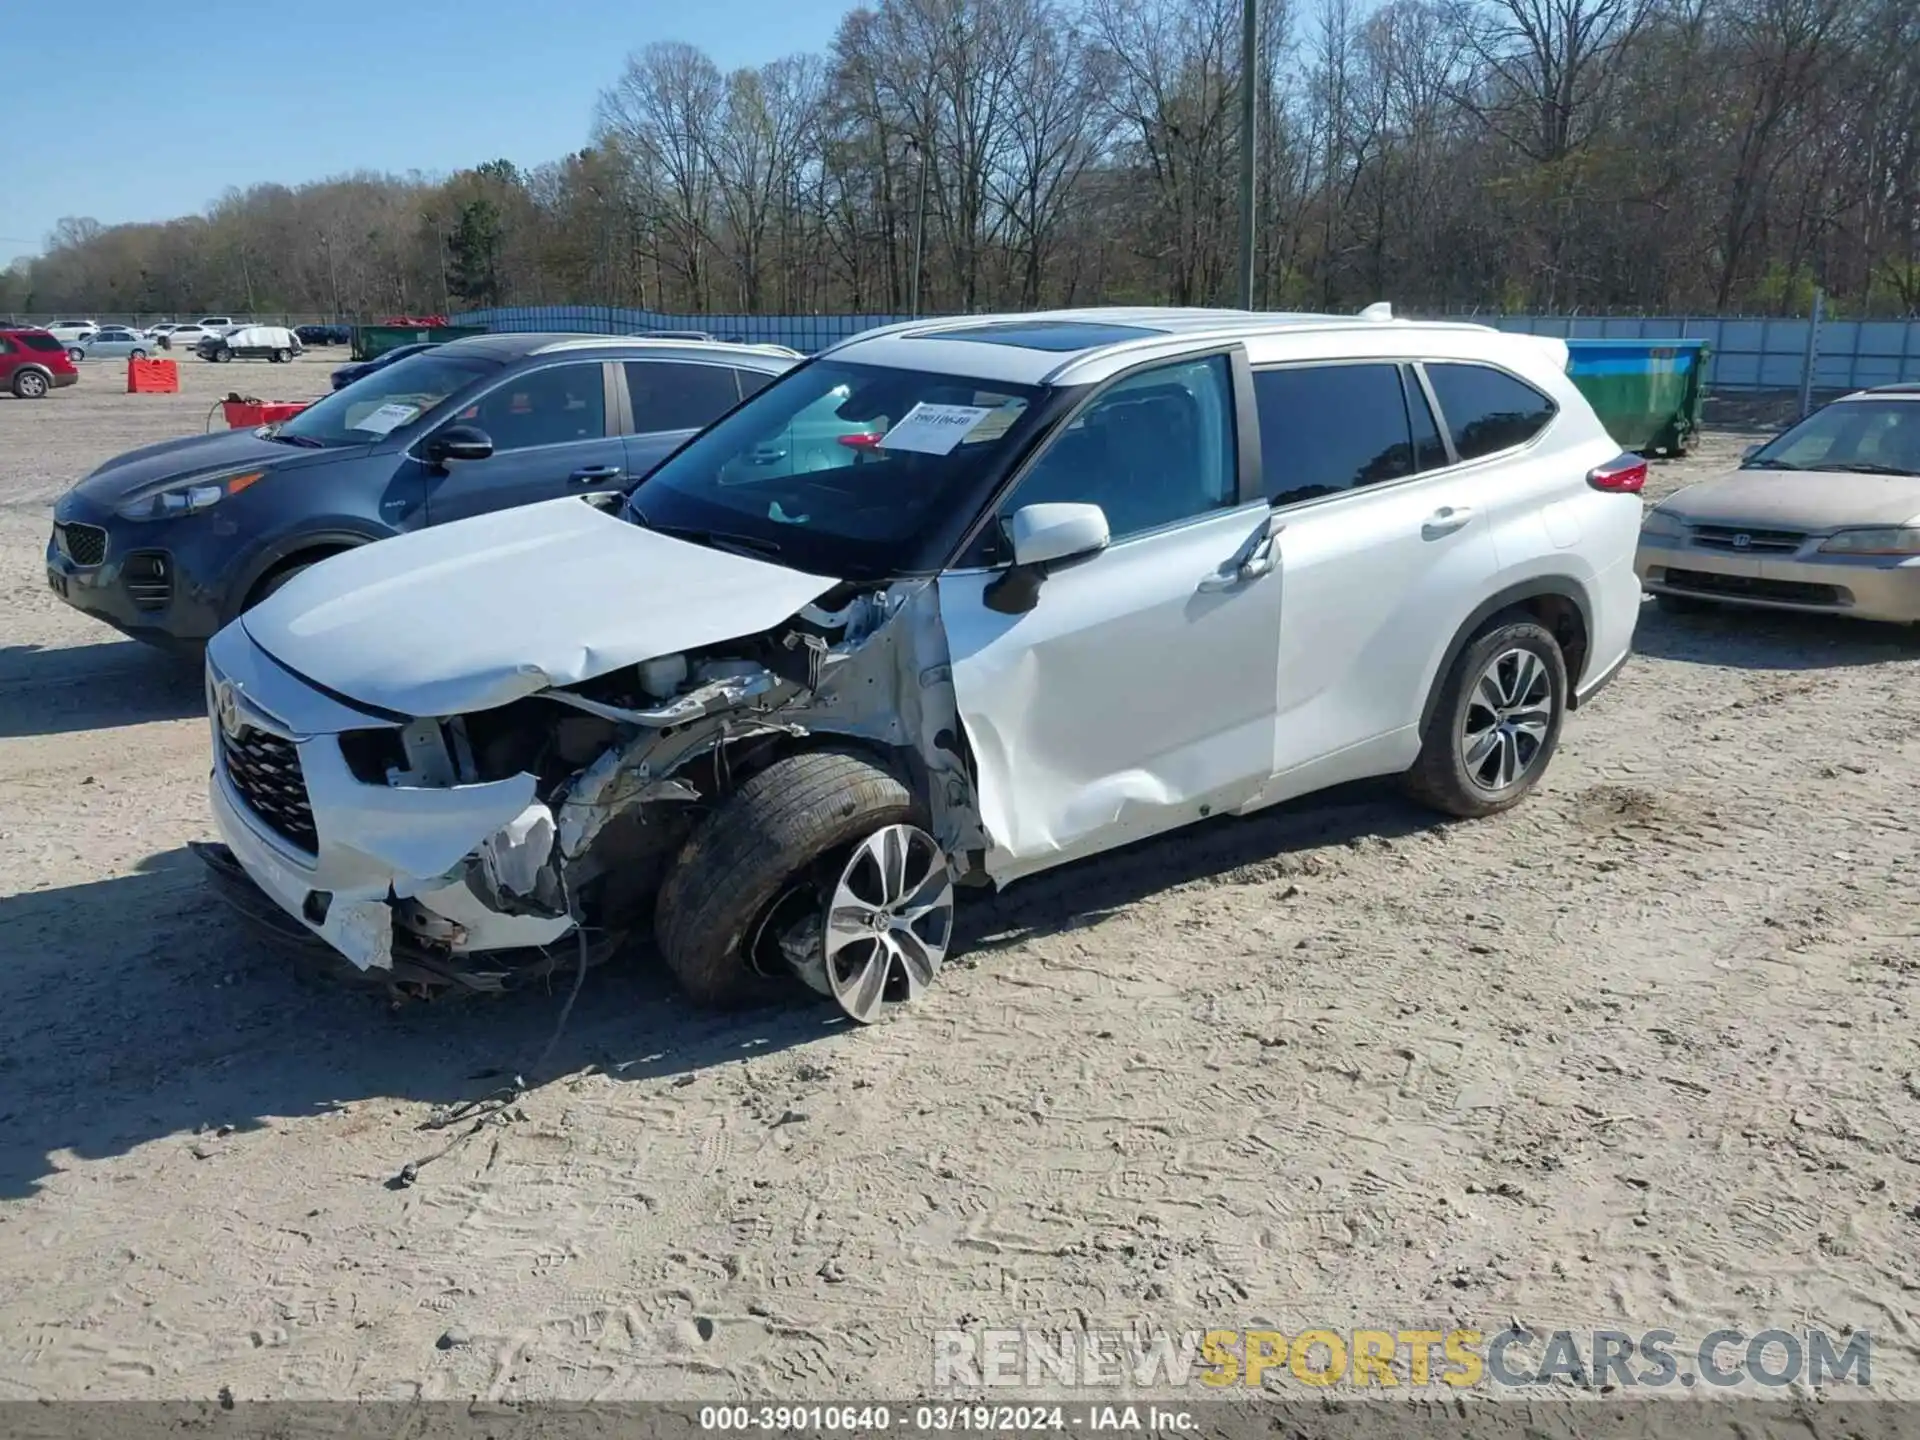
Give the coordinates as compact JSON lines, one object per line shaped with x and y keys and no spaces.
{"x":76,"y":354}
{"x":136,"y":354}
{"x":30,"y":385}
{"x":1496,"y":725}
{"x":818,"y":868}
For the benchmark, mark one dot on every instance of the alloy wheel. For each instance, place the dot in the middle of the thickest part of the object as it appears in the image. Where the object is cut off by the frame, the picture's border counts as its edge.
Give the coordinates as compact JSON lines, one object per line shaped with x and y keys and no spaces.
{"x":1509,"y":714}
{"x":889,"y":922}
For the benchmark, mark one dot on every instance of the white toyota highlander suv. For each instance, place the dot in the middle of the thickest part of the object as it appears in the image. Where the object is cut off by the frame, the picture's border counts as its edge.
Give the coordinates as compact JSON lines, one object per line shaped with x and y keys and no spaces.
{"x":954,"y":602}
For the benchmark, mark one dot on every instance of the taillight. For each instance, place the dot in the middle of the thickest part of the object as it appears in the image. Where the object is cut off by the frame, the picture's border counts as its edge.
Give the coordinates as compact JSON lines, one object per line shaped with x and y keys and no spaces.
{"x":860,"y":442}
{"x":1622,"y":475}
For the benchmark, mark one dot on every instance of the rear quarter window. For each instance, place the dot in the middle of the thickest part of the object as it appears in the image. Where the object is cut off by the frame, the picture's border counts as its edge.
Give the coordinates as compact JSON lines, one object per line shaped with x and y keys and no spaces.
{"x":41,"y":342}
{"x":1487,"y":410}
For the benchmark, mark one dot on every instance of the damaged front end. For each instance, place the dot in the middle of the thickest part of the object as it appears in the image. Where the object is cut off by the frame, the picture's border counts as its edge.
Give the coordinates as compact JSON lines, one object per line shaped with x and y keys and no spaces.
{"x":476,"y":849}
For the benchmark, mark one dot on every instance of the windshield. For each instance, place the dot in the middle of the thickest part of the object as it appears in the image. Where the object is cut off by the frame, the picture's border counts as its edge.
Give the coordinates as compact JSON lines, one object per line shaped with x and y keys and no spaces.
{"x":376,"y":404}
{"x":1874,"y":437}
{"x":858,"y":471}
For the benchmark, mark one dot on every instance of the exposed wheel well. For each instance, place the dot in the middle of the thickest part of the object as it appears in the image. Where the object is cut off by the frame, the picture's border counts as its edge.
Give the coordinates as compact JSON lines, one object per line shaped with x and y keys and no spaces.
{"x":1567,"y":623}
{"x":725,"y":768}
{"x":310,"y":556}
{"x":1560,"y":611}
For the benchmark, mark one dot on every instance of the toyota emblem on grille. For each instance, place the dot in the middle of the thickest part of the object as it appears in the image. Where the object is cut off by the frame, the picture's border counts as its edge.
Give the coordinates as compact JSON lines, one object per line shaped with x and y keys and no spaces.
{"x":226,"y":707}
{"x":1742,"y":541}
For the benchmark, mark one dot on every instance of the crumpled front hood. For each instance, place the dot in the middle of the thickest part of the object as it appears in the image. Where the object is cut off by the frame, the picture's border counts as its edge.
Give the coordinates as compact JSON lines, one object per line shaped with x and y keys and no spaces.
{"x":1810,"y":500}
{"x":475,"y":614}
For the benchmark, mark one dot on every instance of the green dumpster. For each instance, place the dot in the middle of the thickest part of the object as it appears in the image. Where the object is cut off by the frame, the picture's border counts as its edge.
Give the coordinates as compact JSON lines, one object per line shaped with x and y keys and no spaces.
{"x":370,"y":342}
{"x":1648,"y":393}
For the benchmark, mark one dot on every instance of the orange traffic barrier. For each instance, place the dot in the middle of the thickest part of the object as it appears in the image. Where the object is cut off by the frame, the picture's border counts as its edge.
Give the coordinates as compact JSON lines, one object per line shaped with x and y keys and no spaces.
{"x":153,"y":377}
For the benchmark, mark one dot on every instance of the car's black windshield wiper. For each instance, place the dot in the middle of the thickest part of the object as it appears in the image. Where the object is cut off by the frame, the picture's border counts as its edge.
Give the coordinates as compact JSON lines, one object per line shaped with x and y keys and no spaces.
{"x":307,"y":441}
{"x":1768,"y":465}
{"x":719,"y":539}
{"x":1869,"y":467}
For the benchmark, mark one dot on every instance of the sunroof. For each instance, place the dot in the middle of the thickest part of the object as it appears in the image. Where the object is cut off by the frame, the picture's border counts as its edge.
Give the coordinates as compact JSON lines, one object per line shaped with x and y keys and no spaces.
{"x":1058,"y":335}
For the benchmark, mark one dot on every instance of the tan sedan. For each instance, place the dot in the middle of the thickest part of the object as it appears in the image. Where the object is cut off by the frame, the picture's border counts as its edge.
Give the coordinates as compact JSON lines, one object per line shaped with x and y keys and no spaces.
{"x":1823,"y":518}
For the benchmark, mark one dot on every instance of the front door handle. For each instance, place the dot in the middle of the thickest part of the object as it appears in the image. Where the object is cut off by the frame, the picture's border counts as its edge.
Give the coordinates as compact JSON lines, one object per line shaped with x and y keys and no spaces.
{"x":1259,"y":560}
{"x":593,"y":474}
{"x":1445,"y":520}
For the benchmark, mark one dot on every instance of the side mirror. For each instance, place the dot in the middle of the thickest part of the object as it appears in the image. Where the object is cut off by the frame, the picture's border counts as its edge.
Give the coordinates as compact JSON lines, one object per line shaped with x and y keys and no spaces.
{"x":459,"y":442}
{"x":1044,"y":537}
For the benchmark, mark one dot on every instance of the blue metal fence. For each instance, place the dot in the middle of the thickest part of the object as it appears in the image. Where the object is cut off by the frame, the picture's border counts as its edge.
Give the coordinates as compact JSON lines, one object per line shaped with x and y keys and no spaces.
{"x":1747,"y":354}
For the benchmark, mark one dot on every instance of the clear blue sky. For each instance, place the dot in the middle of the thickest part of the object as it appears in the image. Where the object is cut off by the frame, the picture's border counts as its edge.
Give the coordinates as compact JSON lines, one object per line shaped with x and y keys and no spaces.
{"x":140,"y":110}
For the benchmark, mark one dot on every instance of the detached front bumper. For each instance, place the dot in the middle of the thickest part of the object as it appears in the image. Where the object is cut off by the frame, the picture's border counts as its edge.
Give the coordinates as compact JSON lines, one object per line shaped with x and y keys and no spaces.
{"x":378,"y":872}
{"x":1865,"y":587}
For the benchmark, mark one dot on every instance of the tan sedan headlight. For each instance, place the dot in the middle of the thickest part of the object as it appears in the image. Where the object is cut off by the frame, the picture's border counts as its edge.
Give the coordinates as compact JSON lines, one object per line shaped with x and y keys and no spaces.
{"x":1900,"y":540}
{"x":1659,"y":525}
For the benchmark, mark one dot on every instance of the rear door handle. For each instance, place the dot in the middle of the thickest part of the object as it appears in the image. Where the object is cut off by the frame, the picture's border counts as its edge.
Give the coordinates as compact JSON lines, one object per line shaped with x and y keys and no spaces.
{"x":589,"y":474}
{"x":1445,"y":520}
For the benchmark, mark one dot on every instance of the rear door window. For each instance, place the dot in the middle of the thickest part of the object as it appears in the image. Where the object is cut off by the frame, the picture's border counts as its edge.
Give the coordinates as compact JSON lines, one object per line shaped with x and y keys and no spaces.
{"x":672,"y":395}
{"x":1329,"y":428}
{"x":1486,"y":410}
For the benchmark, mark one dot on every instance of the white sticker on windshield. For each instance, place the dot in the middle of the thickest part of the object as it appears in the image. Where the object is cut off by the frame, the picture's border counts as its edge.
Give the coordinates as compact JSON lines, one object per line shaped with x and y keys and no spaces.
{"x":934,"y":429}
{"x":386,"y":418}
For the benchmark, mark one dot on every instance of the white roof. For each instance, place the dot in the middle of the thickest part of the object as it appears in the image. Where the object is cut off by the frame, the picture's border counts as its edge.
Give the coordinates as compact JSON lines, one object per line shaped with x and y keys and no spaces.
{"x":1073,"y":347}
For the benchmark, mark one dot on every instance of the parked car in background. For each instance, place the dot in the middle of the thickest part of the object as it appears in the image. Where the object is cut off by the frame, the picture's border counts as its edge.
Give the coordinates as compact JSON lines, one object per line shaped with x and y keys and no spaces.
{"x":1070,"y":580}
{"x":324,"y":334}
{"x":347,"y":374}
{"x":112,"y":342}
{"x":1823,"y":518}
{"x":165,"y":327}
{"x":217,"y":322}
{"x":68,"y":331}
{"x":251,"y":342}
{"x":185,"y":337}
{"x":470,"y":426}
{"x":33,"y":363}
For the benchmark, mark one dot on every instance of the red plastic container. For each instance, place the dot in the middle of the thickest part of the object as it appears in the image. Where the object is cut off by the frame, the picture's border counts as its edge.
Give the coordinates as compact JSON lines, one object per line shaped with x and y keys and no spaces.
{"x":244,"y":416}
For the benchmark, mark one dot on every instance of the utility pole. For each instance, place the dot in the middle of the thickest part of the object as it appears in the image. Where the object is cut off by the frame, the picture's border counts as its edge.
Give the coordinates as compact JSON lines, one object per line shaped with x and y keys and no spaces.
{"x":1249,"y":140}
{"x":919,"y":234}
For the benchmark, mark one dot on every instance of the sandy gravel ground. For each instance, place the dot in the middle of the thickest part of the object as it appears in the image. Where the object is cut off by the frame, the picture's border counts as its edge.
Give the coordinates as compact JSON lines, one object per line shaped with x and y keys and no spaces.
{"x":1639,"y":1054}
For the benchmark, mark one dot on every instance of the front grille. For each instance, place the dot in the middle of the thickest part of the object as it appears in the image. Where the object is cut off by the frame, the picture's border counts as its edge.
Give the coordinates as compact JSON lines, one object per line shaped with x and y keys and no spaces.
{"x":149,"y":579}
{"x":82,"y":544}
{"x":265,"y":771}
{"x":1752,"y":587}
{"x":1748,"y":542}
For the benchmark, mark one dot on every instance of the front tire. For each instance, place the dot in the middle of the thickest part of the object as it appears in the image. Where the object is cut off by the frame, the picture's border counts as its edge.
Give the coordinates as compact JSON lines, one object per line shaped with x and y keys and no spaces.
{"x":282,"y":357}
{"x":1497,"y":724}
{"x":808,"y":835}
{"x":223,"y":355}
